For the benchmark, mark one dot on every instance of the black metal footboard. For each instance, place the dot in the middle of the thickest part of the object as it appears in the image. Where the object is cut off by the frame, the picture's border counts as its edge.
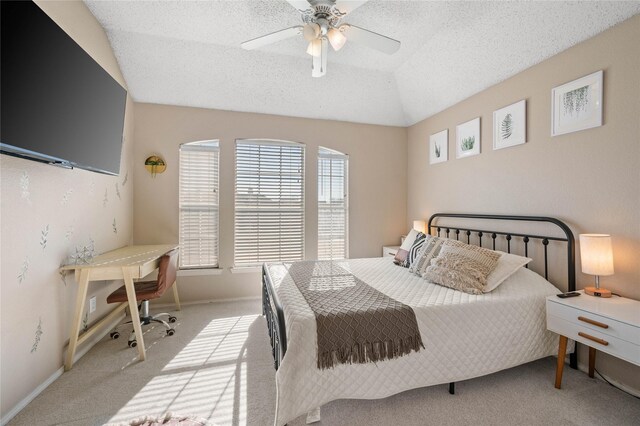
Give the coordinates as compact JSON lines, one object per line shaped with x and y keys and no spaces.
{"x":272,"y":310}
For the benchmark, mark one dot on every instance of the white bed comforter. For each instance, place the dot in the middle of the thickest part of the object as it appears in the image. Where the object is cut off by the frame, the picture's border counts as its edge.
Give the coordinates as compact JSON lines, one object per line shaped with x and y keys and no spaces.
{"x":465,"y":336}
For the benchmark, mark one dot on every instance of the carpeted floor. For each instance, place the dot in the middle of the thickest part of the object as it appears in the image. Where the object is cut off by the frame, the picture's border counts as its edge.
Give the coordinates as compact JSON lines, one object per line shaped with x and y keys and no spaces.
{"x":218,"y":366}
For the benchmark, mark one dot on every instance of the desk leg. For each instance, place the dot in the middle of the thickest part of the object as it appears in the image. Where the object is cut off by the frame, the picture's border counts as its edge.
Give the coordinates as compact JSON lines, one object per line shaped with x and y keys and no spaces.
{"x":133,"y":309}
{"x":592,"y":361}
{"x":81,"y":296}
{"x":562,"y":352}
{"x":175,"y":295}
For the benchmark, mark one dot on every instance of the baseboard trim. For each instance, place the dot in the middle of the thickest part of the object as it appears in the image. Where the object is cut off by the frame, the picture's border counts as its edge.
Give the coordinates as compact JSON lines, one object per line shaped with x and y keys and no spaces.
{"x":90,"y":343}
{"x":585,"y":369}
{"x":205,"y":301}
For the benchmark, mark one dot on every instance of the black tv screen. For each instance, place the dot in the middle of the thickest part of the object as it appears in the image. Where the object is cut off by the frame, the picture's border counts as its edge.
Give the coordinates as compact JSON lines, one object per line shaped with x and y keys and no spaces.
{"x":57,"y":104}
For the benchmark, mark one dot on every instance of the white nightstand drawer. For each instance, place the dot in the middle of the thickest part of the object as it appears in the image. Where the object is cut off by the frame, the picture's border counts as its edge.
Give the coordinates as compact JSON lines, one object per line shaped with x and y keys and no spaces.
{"x":390,"y":251}
{"x":594,"y":338}
{"x":594,"y":322}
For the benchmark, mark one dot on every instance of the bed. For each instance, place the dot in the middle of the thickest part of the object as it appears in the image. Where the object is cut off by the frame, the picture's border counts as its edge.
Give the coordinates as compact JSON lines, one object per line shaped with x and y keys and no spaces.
{"x":464,"y":335}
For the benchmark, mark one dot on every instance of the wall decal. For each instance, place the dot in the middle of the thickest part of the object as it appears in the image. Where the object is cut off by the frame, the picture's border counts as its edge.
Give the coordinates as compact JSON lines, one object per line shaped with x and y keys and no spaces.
{"x":118,"y":192}
{"x":44,"y":234}
{"x":85,"y":321}
{"x":63,"y":274}
{"x":69,"y":233}
{"x":126,"y":179}
{"x":115,"y":228}
{"x":92,"y":188}
{"x":105,"y":200}
{"x":66,"y":197}
{"x":23,"y":270}
{"x":83,"y":254}
{"x":24,"y":187}
{"x":36,"y":341}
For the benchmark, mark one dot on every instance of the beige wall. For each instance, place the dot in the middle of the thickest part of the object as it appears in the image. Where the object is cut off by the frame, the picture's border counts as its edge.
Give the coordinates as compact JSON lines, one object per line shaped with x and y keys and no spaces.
{"x":377,"y":160}
{"x":589,"y":179}
{"x":46,"y":212}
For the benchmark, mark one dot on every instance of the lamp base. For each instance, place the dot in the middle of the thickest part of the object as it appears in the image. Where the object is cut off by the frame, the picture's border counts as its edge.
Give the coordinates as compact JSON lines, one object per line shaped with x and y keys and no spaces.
{"x":598,"y":292}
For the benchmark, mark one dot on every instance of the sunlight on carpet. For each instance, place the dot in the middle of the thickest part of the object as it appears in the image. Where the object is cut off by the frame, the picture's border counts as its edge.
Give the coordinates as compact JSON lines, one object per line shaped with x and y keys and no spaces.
{"x":207,"y":377}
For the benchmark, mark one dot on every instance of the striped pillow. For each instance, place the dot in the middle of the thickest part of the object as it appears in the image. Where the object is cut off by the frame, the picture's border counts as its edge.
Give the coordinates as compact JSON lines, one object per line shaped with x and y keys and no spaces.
{"x":464,"y":268}
{"x":413,"y":251}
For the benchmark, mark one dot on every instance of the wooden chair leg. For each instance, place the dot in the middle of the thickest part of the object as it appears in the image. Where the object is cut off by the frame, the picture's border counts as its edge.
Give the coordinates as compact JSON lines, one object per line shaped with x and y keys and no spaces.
{"x":562,"y":352}
{"x":592,"y":361}
{"x":175,"y":296}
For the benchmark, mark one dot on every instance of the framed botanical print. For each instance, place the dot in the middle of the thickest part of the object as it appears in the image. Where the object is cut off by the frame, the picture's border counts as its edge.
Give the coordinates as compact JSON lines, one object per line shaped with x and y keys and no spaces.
{"x":577,"y":105}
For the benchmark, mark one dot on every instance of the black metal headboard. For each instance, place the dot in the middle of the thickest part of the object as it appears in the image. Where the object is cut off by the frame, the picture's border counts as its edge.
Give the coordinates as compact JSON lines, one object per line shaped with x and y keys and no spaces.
{"x":526,"y":238}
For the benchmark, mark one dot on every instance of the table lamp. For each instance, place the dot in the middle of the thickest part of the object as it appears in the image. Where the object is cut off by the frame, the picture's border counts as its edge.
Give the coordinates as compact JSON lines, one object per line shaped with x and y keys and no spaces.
{"x":419,"y":225}
{"x":597,"y":259}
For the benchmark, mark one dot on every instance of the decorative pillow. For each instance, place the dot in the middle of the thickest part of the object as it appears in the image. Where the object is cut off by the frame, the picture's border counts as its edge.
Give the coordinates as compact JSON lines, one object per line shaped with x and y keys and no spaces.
{"x":413,"y":251}
{"x":401,"y":255}
{"x":464,"y":268}
{"x":508,"y":264}
{"x":430,"y":250}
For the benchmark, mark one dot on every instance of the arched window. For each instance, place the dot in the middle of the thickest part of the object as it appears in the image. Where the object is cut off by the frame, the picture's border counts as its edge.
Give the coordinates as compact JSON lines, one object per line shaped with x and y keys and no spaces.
{"x":333,"y":204}
{"x":198,"y":203}
{"x":269,"y":201}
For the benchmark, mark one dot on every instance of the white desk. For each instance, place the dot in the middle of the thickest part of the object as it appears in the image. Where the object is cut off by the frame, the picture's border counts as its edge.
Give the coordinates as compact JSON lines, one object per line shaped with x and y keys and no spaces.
{"x":126,"y":263}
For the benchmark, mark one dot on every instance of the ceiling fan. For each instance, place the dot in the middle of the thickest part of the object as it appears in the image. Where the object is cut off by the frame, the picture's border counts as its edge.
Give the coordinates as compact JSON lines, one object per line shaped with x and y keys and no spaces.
{"x":323,"y":26}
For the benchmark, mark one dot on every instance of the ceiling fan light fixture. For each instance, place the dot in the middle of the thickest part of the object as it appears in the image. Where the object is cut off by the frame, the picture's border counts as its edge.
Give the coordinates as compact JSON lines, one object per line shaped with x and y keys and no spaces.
{"x":311,"y":31}
{"x":315,"y":48}
{"x":336,"y":38}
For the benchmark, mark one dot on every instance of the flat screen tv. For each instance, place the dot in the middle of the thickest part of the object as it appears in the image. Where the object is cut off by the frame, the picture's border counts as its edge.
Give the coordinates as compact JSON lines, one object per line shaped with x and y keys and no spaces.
{"x":57,"y":104}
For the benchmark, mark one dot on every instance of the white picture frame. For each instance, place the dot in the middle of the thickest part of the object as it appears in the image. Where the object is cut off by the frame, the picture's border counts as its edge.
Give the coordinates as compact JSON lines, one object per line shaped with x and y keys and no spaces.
{"x":577,"y":105}
{"x":439,"y":147}
{"x":468,"y":138}
{"x":510,"y":125}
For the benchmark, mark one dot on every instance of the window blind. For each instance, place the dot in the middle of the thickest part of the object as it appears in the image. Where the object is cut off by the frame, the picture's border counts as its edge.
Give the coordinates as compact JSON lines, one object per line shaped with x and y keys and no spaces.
{"x":333,"y":205}
{"x":269,"y":204}
{"x":198,"y":204}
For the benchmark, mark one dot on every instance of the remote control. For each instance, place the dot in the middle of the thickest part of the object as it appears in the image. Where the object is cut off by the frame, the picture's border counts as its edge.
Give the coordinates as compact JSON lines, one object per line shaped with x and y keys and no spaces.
{"x":570,"y":294}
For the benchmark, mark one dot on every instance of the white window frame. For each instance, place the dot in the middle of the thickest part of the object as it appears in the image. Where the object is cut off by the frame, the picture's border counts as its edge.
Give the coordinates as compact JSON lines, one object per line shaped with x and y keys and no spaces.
{"x":329,"y":154}
{"x":209,"y":259}
{"x":243,"y":258}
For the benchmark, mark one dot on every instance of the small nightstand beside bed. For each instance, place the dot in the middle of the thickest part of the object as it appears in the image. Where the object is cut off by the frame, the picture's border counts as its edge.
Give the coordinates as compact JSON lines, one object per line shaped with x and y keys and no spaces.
{"x":464,"y":335}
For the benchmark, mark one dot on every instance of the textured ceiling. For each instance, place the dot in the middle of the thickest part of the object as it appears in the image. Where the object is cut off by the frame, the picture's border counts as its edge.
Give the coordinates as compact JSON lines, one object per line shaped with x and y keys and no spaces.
{"x":188,"y":53}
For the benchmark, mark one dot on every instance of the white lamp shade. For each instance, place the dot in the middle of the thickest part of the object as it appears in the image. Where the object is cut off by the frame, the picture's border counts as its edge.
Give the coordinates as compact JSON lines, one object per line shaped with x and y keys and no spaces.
{"x":336,"y":38}
{"x":419,"y":225}
{"x":596,"y":254}
{"x":315,"y":48}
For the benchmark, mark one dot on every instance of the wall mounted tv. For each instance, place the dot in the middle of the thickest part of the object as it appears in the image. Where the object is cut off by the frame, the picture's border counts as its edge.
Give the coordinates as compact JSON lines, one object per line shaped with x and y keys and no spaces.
{"x":58,"y":105}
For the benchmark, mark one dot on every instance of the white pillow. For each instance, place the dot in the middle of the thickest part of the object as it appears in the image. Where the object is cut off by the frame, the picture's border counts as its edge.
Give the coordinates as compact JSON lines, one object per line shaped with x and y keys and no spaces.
{"x":508,"y":264}
{"x":403,"y":251}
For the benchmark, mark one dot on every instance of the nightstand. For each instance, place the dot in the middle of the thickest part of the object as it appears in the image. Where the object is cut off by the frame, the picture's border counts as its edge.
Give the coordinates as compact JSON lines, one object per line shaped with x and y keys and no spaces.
{"x":609,"y":325}
{"x":389,"y":251}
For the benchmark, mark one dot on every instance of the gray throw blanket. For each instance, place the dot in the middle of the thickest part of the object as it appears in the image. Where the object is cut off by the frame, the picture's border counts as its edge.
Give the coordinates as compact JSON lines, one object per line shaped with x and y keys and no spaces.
{"x":355,"y":322}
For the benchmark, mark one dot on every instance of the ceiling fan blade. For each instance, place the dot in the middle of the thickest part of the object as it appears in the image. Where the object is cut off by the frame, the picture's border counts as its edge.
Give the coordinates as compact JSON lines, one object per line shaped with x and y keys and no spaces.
{"x":348,"y":6}
{"x":300,"y":4}
{"x":271,"y":38}
{"x":371,"y":39}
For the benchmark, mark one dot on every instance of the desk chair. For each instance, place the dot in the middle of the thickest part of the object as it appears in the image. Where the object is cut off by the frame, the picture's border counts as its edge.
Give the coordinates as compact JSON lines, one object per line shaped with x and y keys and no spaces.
{"x":148,"y":290}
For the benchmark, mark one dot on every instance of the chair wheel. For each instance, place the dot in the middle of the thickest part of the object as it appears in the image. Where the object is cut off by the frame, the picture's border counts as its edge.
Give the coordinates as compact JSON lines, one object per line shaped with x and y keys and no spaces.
{"x":170,"y":332}
{"x":173,"y":319}
{"x":114,"y":335}
{"x":133,"y":344}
